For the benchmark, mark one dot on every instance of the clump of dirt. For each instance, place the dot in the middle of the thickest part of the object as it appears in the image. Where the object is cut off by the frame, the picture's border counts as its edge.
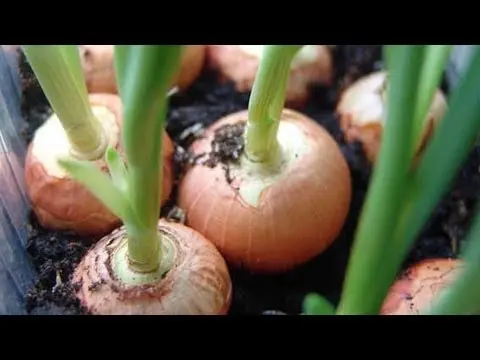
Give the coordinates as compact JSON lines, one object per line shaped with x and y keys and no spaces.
{"x":227,"y":145}
{"x":55,"y":256}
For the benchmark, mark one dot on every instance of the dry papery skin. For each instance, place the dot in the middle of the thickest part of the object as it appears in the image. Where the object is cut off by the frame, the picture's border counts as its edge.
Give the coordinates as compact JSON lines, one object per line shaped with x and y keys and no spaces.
{"x":99,"y":70}
{"x":239,"y":63}
{"x":197,"y":284}
{"x":59,"y":201}
{"x":361,"y":111}
{"x":418,"y":286}
{"x":274,"y":222}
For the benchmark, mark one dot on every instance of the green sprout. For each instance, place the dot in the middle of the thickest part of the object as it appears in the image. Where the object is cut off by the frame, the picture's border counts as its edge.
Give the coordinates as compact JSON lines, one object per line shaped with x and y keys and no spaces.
{"x":59,"y":72}
{"x":265,"y":106}
{"x":400,"y":200}
{"x":435,"y":59}
{"x":133,"y":191}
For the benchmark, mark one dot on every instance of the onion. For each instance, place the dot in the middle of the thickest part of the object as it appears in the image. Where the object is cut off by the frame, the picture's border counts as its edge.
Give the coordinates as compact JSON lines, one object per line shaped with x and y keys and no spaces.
{"x":361,"y":112}
{"x":270,"y":221}
{"x":198,"y":282}
{"x":239,"y":64}
{"x":418,"y":287}
{"x":99,"y":70}
{"x":58,"y":200}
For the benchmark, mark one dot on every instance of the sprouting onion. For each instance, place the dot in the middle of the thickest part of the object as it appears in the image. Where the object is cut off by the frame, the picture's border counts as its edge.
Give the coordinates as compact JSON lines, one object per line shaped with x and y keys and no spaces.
{"x":133,"y":194}
{"x":263,"y":212}
{"x":265,"y":106}
{"x":156,"y":265}
{"x":99,"y":70}
{"x":59,"y":72}
{"x":81,"y":127}
{"x":362,"y":107}
{"x":399,"y":202}
{"x":312,"y":65}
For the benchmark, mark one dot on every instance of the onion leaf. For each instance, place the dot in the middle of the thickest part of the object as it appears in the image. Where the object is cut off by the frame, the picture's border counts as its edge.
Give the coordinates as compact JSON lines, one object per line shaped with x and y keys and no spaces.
{"x":99,"y":184}
{"x":117,"y":169}
{"x":317,"y":305}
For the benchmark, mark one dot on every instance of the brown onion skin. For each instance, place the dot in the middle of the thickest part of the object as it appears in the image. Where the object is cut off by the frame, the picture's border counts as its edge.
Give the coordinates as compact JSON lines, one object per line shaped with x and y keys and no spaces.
{"x":198,"y":284}
{"x":361,"y":100}
{"x":99,"y":71}
{"x":298,"y":218}
{"x":417,"y":287}
{"x":65,"y":204}
{"x":238,"y":66}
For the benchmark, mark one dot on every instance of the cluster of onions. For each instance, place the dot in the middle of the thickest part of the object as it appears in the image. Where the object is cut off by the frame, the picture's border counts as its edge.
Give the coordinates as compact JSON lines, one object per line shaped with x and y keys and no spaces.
{"x":98,"y":67}
{"x":286,"y":197}
{"x":147,"y":266}
{"x":362,"y":108}
{"x":312,"y":65}
{"x":401,"y":198}
{"x":420,"y":285}
{"x":82,"y":126}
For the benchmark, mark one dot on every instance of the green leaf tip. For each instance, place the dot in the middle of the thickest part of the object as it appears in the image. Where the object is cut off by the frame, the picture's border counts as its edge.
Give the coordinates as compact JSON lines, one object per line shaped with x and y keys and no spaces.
{"x":117,"y":169}
{"x":315,"y":304}
{"x":98,"y":183}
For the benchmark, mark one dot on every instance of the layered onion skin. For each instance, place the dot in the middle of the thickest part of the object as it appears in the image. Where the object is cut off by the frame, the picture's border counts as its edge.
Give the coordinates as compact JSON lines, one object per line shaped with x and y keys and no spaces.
{"x":62,"y":203}
{"x":239,"y":66}
{"x":99,"y":71}
{"x":419,"y":285}
{"x":197,"y":284}
{"x":298,"y":217}
{"x":361,"y":112}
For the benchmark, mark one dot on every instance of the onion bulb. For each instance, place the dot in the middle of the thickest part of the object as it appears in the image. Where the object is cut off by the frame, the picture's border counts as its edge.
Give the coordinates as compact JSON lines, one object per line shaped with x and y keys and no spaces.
{"x":193,"y":278}
{"x":418,"y":286}
{"x":99,"y":70}
{"x":270,"y":218}
{"x":239,"y":63}
{"x":361,"y":112}
{"x":59,"y":201}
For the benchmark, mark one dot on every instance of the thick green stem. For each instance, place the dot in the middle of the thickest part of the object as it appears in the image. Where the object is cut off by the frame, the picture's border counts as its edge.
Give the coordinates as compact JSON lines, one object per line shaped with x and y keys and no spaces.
{"x":122,"y":53}
{"x":144,"y":251}
{"x":144,"y":243}
{"x":442,"y":159}
{"x":59,"y":72}
{"x":366,"y":277}
{"x":436,"y":57}
{"x":145,"y":73}
{"x":267,"y":101}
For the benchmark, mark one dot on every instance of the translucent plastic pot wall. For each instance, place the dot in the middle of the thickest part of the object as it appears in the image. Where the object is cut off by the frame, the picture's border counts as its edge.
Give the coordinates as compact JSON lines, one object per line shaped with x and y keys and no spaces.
{"x":16,"y":271}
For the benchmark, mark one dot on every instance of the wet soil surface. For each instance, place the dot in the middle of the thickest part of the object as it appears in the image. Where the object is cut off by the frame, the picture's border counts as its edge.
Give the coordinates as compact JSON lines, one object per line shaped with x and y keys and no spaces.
{"x":55,"y":254}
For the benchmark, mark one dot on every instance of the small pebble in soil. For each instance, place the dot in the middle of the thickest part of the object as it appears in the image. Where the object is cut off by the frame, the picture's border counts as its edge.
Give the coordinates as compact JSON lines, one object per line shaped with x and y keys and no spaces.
{"x":273,"y":312}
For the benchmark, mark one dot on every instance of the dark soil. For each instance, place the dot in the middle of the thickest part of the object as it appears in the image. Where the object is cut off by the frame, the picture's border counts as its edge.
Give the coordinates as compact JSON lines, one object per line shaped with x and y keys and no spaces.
{"x":55,"y":254}
{"x":227,"y":145}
